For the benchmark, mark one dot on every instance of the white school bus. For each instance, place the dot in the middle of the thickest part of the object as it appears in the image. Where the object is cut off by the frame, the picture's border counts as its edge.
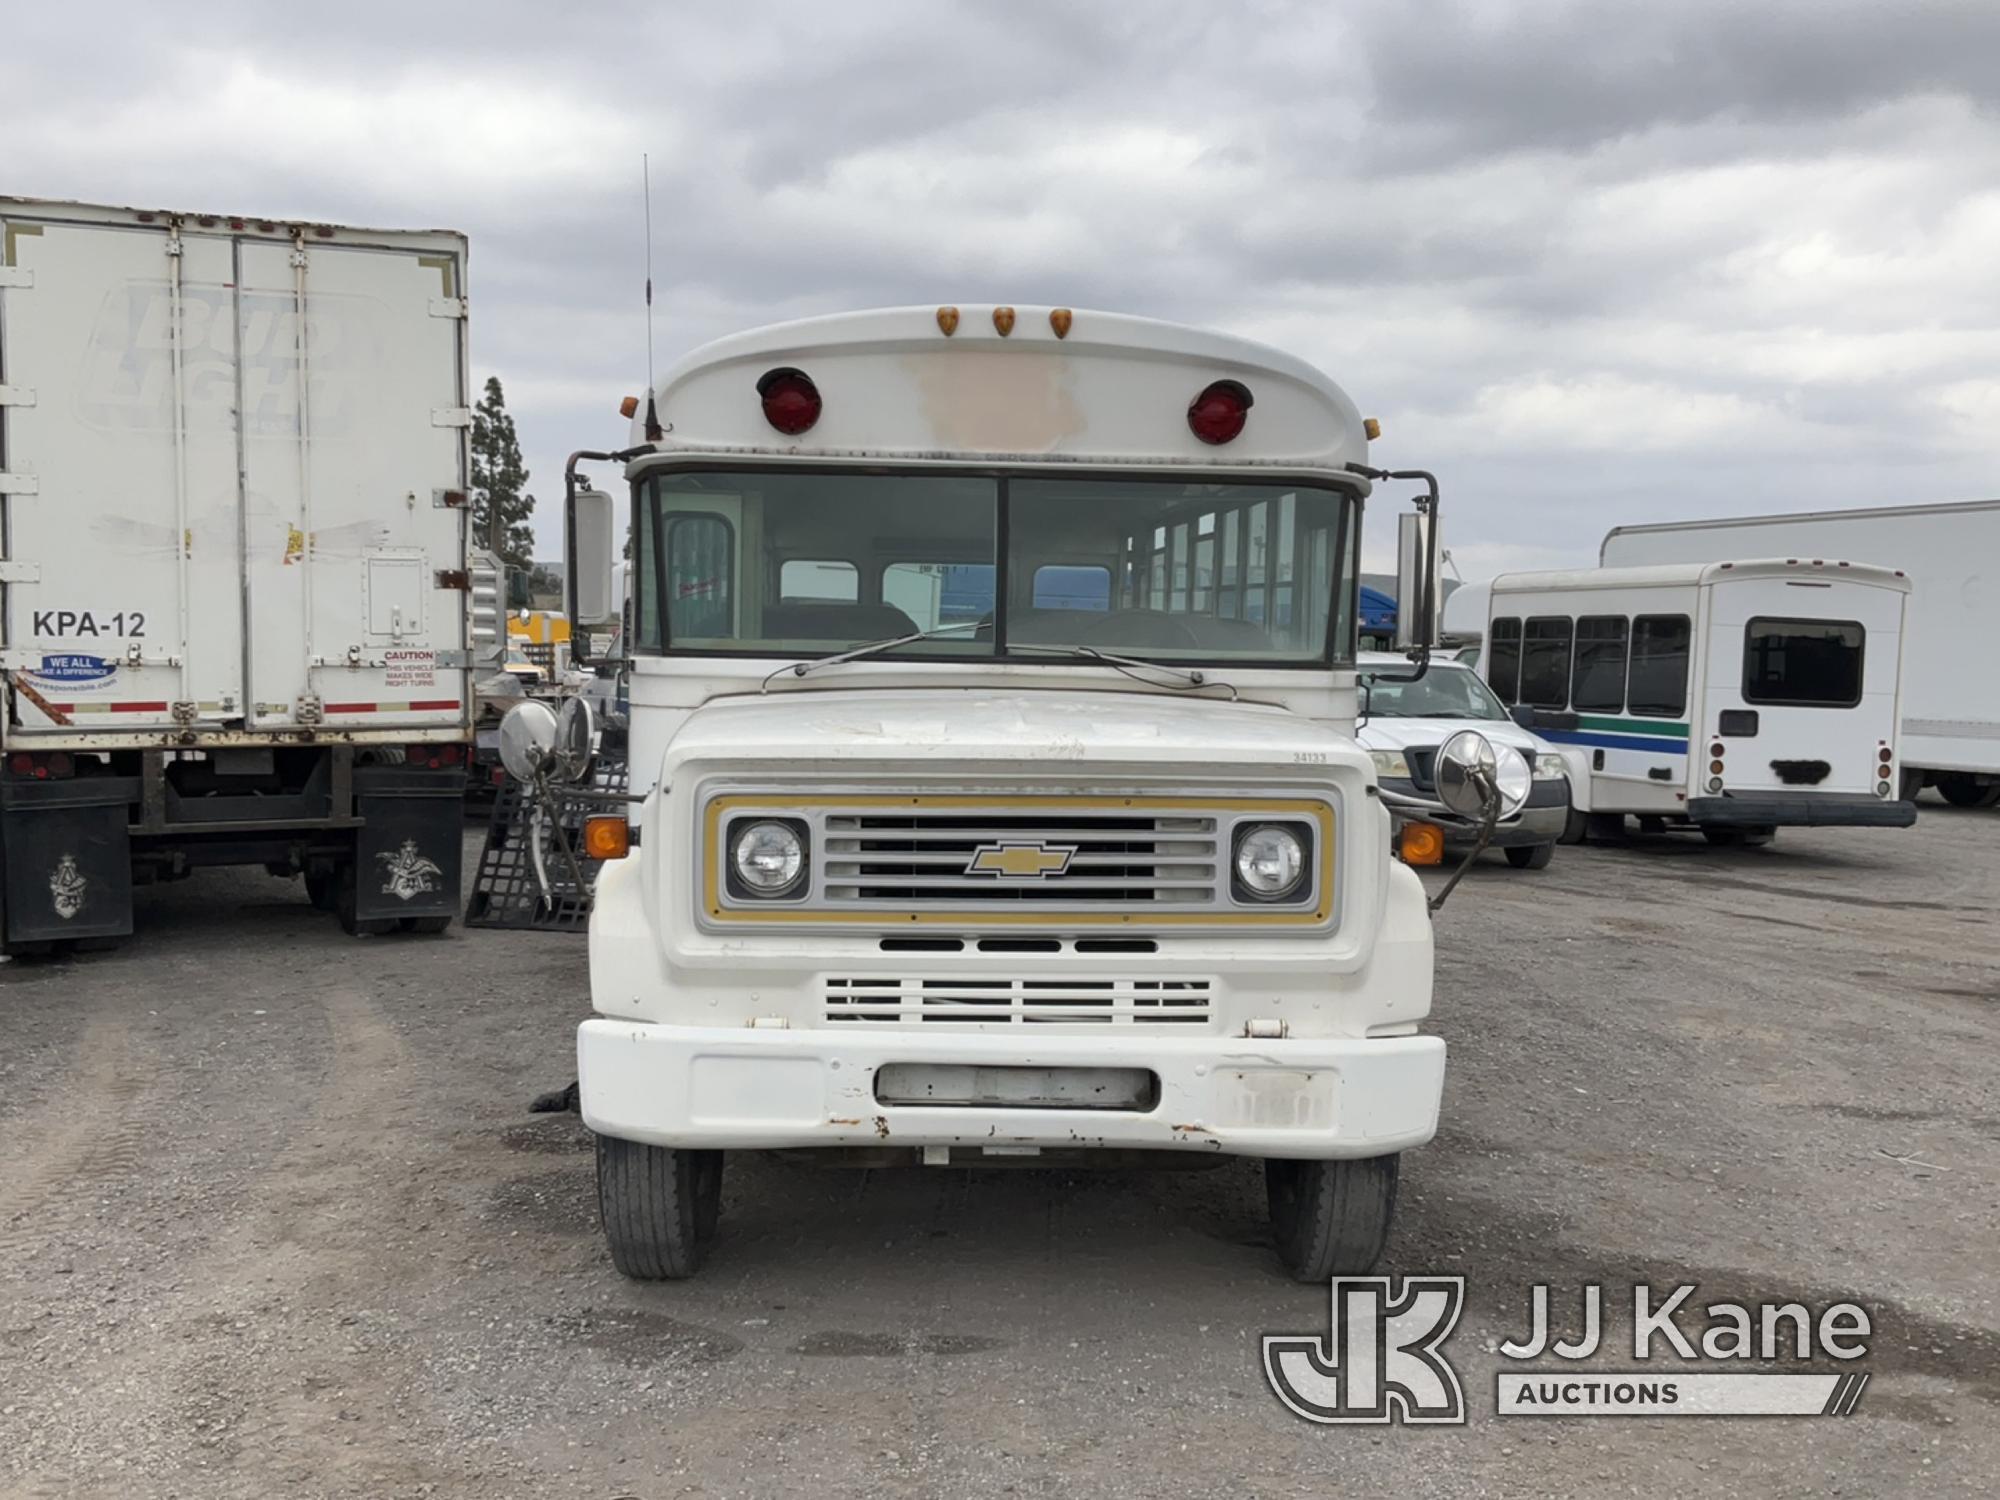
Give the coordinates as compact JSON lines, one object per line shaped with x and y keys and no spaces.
{"x":992,"y":697}
{"x":1731,"y":697}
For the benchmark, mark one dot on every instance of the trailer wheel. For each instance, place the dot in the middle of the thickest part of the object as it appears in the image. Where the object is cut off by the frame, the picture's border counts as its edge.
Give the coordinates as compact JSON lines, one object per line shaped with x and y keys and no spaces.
{"x":1331,"y":1218}
{"x":426,"y":924}
{"x":346,"y":892}
{"x":322,"y":887}
{"x":1961,"y":790}
{"x":659,"y":1206}
{"x":1530,"y":856}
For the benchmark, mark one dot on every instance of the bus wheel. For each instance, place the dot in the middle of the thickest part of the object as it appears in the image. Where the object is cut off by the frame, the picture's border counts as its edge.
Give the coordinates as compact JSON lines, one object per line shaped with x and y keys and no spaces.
{"x":1531,"y":856}
{"x":1331,"y":1218}
{"x":659,"y":1207}
{"x":1909,"y":784}
{"x":1605,"y":828}
{"x":1961,"y":790}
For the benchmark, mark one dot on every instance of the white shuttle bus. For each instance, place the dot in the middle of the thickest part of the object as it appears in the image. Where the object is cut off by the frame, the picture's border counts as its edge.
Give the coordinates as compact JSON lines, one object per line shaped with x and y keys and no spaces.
{"x":1732,"y":697}
{"x":992,"y":681}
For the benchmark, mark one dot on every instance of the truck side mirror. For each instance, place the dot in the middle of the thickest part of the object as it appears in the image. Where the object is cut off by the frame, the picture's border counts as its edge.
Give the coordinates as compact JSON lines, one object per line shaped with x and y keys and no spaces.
{"x":1416,"y":581}
{"x":593,"y":552}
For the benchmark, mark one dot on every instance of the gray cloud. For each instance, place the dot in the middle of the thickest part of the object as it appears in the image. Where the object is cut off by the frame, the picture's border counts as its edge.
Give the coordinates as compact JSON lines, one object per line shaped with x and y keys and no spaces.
{"x":1595,"y":263}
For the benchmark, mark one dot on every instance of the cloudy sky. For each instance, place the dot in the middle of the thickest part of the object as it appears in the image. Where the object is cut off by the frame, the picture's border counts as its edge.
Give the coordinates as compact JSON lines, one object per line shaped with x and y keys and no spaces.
{"x":1594,"y":263}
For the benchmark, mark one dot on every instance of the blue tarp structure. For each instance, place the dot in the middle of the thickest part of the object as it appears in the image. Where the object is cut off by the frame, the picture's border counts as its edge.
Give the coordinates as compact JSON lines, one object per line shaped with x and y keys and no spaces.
{"x":1378,"y":611}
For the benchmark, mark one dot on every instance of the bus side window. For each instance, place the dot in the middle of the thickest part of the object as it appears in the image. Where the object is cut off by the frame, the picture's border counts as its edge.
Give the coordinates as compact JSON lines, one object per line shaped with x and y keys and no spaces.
{"x":1659,"y":684}
{"x":1503,"y":661}
{"x":1597,"y":684}
{"x":1545,"y":661}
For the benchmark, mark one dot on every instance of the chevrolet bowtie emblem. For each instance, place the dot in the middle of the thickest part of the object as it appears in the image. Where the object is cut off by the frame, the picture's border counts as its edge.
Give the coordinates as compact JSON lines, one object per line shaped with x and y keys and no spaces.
{"x":1021,"y":861}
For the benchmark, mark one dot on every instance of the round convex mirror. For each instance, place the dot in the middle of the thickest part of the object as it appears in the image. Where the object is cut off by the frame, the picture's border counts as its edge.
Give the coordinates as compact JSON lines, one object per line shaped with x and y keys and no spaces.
{"x":576,"y":737}
{"x":527,"y":738}
{"x":1469,"y":765}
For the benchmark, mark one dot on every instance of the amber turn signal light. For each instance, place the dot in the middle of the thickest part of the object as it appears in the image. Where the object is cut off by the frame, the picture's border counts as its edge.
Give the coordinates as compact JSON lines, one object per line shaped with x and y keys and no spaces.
{"x":629,"y":408}
{"x":1422,"y":844}
{"x":606,"y":838}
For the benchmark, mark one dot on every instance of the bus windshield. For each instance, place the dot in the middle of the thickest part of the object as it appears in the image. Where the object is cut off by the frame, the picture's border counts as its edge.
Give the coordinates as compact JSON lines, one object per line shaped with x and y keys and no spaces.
{"x":803,"y":563}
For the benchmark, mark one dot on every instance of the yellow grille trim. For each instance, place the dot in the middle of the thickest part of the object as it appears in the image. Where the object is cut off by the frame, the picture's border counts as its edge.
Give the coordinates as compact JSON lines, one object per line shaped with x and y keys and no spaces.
{"x":1319,"y":812}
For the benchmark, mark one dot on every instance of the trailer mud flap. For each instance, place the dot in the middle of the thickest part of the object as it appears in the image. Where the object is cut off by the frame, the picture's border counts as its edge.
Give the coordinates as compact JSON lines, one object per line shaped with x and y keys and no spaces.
{"x":411,"y":843}
{"x":68,"y":857}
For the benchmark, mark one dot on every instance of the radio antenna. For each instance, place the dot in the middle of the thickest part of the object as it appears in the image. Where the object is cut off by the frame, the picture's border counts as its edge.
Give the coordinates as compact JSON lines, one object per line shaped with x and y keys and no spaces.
{"x":653,"y":430}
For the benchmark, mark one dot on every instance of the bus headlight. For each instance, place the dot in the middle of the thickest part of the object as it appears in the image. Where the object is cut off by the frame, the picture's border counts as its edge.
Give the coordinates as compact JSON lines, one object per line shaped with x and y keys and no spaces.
{"x":1270,"y":862}
{"x":1390,"y":763}
{"x":767,"y":858}
{"x":1548,"y":767}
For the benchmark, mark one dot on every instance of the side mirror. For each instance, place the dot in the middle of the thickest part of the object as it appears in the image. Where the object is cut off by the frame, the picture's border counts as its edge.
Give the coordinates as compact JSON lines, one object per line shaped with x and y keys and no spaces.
{"x":593,"y":554}
{"x":1477,"y":780}
{"x":1416,"y":581}
{"x":527,"y":739}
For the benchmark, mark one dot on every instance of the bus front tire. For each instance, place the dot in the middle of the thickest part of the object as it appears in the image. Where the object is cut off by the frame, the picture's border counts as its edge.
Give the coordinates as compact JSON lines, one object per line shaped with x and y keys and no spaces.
{"x":1330,"y":1218}
{"x":1531,"y":856}
{"x":659,"y":1207}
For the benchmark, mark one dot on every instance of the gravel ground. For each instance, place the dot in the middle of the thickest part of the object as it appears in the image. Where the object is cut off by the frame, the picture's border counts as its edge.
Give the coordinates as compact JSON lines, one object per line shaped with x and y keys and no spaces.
{"x":274,"y":1219}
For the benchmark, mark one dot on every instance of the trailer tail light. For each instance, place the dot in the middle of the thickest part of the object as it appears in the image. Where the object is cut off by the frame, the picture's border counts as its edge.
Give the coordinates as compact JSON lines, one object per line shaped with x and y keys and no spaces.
{"x":434,"y":757}
{"x":1217,"y":415}
{"x":42,"y":765}
{"x":791,"y":400}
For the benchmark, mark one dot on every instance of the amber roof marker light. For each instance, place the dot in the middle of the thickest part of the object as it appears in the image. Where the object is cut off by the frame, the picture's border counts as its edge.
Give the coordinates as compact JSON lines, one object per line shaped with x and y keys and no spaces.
{"x":947,"y":321}
{"x":1059,"y":319}
{"x":1003,"y":320}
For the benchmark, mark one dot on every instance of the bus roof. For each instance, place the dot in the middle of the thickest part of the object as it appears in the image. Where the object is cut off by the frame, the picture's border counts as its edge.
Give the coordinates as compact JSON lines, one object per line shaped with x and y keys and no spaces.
{"x":1693,"y":575}
{"x":1058,"y":386}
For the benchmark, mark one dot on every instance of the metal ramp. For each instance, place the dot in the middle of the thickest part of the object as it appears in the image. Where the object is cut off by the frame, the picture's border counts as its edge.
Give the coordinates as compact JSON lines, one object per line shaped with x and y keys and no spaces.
{"x":505,"y":892}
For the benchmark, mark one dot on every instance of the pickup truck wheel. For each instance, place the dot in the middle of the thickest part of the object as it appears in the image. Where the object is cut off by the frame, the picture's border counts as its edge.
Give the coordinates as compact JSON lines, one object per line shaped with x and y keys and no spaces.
{"x":1330,"y":1218}
{"x":659,"y":1207}
{"x":1576,"y":828}
{"x":1530,"y":856}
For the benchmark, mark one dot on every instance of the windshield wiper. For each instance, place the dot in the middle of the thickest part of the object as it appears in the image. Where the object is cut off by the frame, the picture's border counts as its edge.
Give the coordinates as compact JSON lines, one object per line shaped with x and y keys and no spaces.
{"x":800,"y":668}
{"x":1131,"y":666}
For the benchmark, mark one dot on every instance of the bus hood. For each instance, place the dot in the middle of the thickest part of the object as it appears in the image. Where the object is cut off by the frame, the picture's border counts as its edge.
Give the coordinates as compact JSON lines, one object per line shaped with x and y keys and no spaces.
{"x":1026,"y":731}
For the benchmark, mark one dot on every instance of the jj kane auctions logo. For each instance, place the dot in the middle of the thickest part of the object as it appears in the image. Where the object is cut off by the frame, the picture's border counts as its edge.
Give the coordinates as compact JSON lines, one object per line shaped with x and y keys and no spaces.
{"x":1382,"y":1358}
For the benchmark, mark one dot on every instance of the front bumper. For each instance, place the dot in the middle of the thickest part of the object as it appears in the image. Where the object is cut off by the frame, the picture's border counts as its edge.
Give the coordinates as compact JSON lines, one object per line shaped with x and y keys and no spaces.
{"x":753,"y":1089}
{"x":1800,"y":810}
{"x":1541,"y":820}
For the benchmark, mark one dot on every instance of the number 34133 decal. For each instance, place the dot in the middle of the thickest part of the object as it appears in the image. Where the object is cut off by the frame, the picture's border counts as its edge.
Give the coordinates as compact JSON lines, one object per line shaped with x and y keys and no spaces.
{"x":73,"y":624}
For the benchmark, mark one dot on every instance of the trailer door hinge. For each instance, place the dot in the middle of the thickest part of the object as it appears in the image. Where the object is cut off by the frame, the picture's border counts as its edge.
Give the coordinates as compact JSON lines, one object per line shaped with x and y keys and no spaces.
{"x":13,"y":571}
{"x":454,"y":578}
{"x":452,"y":660}
{"x":449,"y":499}
{"x":17,"y":395}
{"x":308,"y":709}
{"x":185,"y":712}
{"x":447,"y":307}
{"x":451,"y":416}
{"x":19,"y":484}
{"x":19,"y":277}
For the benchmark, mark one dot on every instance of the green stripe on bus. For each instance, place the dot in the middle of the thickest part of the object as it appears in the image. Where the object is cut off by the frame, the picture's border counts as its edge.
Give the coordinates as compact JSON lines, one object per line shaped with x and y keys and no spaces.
{"x":1633,"y":726}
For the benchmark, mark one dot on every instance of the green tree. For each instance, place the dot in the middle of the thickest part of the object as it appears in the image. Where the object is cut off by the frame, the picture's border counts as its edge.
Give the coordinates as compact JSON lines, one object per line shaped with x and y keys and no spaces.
{"x":499,"y":478}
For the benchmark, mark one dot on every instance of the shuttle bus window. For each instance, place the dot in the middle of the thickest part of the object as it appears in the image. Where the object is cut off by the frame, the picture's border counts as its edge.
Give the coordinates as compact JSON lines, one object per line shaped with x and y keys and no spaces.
{"x":1503,"y":661}
{"x":1545,"y":661}
{"x":1806,"y":663}
{"x":1598,"y":683}
{"x":1060,"y":586}
{"x":809,"y":578}
{"x":940,"y":593}
{"x":1659,"y":682}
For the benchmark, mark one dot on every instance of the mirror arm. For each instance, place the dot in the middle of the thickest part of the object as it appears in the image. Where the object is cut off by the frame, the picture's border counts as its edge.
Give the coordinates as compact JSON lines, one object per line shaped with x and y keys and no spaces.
{"x":1426,"y":602}
{"x":1486,"y":827}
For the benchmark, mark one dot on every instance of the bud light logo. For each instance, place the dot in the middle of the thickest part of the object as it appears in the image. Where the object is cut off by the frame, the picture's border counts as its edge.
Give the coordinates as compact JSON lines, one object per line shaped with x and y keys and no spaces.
{"x":73,"y":670}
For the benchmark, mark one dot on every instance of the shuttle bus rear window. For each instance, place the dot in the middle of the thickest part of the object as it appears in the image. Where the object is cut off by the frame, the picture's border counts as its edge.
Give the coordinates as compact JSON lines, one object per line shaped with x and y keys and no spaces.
{"x":1806,"y":663}
{"x":1503,"y":661}
{"x":1659,"y":681}
{"x":1598,"y":684}
{"x":1545,"y":662}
